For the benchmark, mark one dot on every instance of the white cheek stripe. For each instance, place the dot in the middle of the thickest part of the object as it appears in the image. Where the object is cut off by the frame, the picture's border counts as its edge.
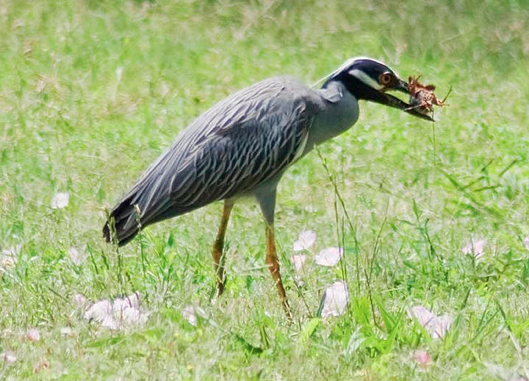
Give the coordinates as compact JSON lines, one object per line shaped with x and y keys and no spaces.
{"x":366,"y":79}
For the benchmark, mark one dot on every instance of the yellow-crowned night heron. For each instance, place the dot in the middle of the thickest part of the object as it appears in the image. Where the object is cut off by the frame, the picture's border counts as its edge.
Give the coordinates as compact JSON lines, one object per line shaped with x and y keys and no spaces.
{"x":244,"y":144}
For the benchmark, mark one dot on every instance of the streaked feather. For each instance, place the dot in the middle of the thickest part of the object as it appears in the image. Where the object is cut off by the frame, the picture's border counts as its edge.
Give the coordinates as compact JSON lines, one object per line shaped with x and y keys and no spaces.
{"x":241,"y":142}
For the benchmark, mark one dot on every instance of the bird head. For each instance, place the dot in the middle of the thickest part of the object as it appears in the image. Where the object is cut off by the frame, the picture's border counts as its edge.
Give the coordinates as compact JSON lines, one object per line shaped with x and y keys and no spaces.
{"x":370,"y":80}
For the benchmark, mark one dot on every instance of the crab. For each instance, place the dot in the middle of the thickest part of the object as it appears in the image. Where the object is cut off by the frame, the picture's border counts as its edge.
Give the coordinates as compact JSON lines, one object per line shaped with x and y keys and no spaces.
{"x":422,"y":97}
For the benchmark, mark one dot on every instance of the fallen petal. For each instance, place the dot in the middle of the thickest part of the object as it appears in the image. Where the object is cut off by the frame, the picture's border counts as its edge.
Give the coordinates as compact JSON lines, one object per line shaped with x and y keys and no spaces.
{"x":8,"y":357}
{"x":298,"y":261}
{"x":80,"y":301}
{"x":329,"y":257}
{"x":76,"y":256}
{"x":33,"y":335}
{"x":60,"y":200}
{"x":119,"y":313}
{"x":12,"y":251}
{"x":67,"y":331}
{"x":100,"y":311}
{"x":334,"y":300}
{"x":133,"y":316}
{"x":190,"y":315}
{"x":437,"y":326}
{"x":305,"y":240}
{"x":422,"y":314}
{"x":476,"y":249}
{"x":109,"y":322}
{"x":8,"y":257}
{"x":422,"y":358}
{"x":133,"y":300}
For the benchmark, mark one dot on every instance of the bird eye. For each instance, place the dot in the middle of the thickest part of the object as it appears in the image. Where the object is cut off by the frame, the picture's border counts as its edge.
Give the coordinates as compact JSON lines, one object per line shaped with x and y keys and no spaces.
{"x":385,"y":79}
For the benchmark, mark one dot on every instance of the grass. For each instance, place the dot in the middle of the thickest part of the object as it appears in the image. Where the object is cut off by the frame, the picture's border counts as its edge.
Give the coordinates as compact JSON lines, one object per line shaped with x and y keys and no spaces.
{"x":92,"y":91}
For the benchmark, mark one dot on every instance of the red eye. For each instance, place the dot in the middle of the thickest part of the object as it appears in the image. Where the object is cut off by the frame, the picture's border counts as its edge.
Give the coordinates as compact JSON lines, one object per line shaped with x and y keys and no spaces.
{"x":385,"y":79}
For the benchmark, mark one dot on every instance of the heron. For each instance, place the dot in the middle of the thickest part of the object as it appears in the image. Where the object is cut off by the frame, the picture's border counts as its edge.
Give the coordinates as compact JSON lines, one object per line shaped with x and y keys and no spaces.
{"x":243,"y":145}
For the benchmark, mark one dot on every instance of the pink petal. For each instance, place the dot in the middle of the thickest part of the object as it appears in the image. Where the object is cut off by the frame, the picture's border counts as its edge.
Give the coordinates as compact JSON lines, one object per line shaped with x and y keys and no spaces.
{"x":33,"y":335}
{"x":422,"y":358}
{"x":305,"y":240}
{"x":437,"y":326}
{"x":422,"y":314}
{"x":298,"y":261}
{"x":335,"y":299}
{"x":329,"y":257}
{"x":190,"y":315}
{"x":440,"y":326}
{"x":80,"y":301}
{"x":475,"y":248}
{"x":99,"y":311}
{"x":119,"y":313}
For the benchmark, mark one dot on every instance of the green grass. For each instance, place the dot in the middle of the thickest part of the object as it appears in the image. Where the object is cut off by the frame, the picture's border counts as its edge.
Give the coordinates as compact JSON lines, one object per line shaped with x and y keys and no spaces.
{"x":415,"y":192}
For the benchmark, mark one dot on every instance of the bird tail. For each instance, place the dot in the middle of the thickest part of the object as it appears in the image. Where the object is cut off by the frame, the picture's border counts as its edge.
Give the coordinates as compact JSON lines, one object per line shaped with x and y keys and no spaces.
{"x":123,"y":223}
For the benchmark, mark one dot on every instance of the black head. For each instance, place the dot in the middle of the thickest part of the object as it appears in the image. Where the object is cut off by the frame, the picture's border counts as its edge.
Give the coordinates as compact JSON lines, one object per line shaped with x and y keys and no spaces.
{"x":369,"y":79}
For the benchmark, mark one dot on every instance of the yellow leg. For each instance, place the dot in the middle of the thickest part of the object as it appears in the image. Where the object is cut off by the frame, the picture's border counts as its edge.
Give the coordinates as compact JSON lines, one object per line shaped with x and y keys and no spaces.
{"x":273,"y":266}
{"x":218,"y":247}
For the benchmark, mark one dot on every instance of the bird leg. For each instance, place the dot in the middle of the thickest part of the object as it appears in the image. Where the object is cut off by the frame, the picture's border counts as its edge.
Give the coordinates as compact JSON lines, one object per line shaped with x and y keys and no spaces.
{"x":273,"y":266}
{"x":218,"y":247}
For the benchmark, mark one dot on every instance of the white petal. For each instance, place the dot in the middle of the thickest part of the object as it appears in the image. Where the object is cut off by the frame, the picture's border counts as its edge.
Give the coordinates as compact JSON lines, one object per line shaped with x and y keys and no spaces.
{"x":134,"y":316}
{"x":110,"y":323}
{"x":189,"y":314}
{"x":80,"y":301}
{"x":76,"y":256}
{"x":133,"y":300}
{"x":8,"y":257}
{"x":60,"y":200}
{"x":475,"y":248}
{"x":329,"y":257}
{"x":118,"y":313}
{"x":118,"y":305}
{"x":66,"y":331}
{"x":305,"y":240}
{"x":422,"y":314}
{"x":437,"y":326}
{"x":8,"y":357}
{"x":298,"y":261}
{"x":335,"y":299}
{"x":33,"y":335}
{"x":12,"y":251}
{"x":99,"y":311}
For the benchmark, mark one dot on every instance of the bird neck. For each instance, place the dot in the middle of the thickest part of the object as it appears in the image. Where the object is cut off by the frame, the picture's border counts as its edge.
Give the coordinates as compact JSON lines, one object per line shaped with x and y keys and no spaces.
{"x":338,"y":113}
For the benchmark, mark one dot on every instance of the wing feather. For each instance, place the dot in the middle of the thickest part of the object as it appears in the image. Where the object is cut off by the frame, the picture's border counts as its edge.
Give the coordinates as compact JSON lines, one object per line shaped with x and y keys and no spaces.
{"x":240,"y":143}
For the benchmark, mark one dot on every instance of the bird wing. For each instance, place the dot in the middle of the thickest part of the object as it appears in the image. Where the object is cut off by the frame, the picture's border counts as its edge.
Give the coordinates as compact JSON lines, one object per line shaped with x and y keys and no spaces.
{"x":240,"y":143}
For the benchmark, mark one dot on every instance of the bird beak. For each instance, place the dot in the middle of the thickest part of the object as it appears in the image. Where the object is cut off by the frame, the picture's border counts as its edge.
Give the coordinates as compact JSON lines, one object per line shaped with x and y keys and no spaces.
{"x":391,"y":101}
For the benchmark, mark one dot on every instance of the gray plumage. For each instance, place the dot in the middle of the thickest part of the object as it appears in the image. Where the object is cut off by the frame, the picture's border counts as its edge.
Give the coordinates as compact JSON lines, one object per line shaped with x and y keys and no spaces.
{"x":244,"y":144}
{"x":241,"y":146}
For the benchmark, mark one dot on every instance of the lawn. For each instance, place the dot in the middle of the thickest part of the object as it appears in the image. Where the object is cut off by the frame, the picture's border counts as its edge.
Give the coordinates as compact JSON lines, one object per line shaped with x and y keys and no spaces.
{"x":432,"y":215}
